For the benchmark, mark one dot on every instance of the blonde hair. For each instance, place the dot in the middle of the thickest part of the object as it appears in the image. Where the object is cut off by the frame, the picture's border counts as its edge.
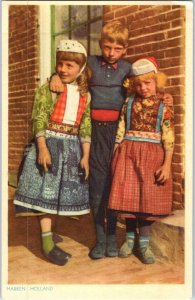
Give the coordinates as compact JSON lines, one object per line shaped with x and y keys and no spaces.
{"x":159,"y":77}
{"x":115,"y":31}
{"x":80,"y":59}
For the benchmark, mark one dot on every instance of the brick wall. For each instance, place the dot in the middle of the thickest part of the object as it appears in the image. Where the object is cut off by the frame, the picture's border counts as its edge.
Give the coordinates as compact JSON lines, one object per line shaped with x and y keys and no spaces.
{"x":159,"y":30}
{"x":23,"y":74}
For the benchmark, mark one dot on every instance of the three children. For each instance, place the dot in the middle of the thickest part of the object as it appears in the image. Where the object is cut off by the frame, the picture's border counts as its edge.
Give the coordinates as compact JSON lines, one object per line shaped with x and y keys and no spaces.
{"x":57,"y":122}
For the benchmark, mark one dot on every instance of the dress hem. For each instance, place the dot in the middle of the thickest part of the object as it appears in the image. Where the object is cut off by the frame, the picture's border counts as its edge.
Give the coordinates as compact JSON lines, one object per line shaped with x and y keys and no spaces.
{"x":55,"y":212}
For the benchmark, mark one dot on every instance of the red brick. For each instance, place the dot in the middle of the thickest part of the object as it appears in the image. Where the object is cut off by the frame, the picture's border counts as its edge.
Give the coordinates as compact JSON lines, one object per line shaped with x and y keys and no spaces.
{"x":177,"y":81}
{"x":179,"y":138}
{"x":173,"y":70}
{"x":117,"y":7}
{"x":178,"y":23}
{"x":179,"y":129}
{"x":108,"y":17}
{"x":178,"y":205}
{"x":175,"y":33}
{"x":177,"y":167}
{"x":106,"y":9}
{"x":178,"y":149}
{"x":131,"y":51}
{"x":175,"y":90}
{"x":178,"y":178}
{"x":125,"y":10}
{"x":175,"y":14}
{"x":177,"y":51}
{"x":155,"y":28}
{"x":177,"y":158}
{"x":177,"y":188}
{"x":178,"y":109}
{"x":130,"y":19}
{"x":179,"y":119}
{"x":178,"y":197}
{"x":23,"y":39}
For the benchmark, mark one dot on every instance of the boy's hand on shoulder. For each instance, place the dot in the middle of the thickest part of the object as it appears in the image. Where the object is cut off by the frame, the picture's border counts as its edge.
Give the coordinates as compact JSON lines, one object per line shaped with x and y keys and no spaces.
{"x":168,"y":99}
{"x":56,"y":84}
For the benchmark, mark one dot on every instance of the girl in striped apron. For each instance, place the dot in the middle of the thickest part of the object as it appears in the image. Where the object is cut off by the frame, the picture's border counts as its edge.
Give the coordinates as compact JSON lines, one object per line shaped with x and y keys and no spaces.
{"x":142,"y":184}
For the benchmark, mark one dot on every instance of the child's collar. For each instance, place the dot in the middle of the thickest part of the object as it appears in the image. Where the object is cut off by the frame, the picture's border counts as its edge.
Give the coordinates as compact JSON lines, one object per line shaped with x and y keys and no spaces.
{"x":73,"y":83}
{"x":156,"y":97}
{"x":103,"y":63}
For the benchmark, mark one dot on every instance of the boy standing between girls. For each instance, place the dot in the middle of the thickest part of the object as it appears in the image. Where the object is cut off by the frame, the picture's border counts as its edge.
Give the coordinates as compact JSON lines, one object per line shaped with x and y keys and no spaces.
{"x":107,"y":97}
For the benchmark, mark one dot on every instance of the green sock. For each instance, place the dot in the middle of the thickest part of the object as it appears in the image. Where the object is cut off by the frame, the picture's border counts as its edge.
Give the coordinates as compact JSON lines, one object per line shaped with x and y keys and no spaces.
{"x":130,"y":237}
{"x":144,"y":241}
{"x":47,"y":241}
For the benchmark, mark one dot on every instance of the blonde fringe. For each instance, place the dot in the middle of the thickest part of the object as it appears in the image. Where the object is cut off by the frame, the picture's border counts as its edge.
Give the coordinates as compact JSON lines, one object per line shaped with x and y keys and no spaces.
{"x":160,"y":77}
{"x":115,"y":31}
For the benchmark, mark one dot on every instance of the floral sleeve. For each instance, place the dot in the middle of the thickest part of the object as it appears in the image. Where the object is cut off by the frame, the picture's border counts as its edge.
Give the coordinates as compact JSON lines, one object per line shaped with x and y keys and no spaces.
{"x":85,"y":126}
{"x":42,"y":108}
{"x":168,"y":137}
{"x":121,"y":125}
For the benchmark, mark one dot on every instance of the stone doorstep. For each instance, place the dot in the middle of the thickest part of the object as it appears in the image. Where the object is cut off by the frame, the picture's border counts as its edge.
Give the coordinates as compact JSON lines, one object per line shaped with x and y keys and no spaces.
{"x":167,"y":238}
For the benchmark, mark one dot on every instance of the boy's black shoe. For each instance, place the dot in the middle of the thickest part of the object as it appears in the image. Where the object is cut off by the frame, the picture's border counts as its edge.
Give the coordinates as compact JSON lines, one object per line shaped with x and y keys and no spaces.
{"x":111,"y":246}
{"x":98,"y":251}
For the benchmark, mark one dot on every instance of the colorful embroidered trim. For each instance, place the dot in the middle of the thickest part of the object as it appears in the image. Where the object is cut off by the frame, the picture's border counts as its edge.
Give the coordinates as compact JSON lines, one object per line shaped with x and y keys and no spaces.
{"x":133,"y":135}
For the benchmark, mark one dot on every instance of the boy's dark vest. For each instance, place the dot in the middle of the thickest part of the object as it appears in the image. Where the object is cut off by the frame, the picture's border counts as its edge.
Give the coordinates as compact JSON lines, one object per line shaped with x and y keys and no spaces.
{"x":106,"y":84}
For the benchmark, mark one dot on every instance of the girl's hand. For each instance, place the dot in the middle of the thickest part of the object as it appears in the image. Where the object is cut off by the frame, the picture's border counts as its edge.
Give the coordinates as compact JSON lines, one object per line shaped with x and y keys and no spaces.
{"x":168,"y":99}
{"x":44,"y":158}
{"x":85,"y":165}
{"x":162,"y":174}
{"x":56,"y":84}
{"x":115,"y":147}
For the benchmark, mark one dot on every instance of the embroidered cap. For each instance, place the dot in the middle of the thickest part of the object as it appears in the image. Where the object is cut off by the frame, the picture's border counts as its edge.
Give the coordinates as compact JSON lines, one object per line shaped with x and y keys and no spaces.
{"x":144,"y":66}
{"x":71,"y":46}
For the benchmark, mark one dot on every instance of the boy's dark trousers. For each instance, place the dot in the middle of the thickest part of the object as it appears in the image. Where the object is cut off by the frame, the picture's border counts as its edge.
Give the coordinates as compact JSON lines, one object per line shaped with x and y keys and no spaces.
{"x":102,"y":145}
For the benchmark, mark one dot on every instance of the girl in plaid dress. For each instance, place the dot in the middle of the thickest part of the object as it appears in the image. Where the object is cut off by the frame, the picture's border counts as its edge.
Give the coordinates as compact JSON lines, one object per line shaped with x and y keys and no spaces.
{"x":142,"y":185}
{"x":53,"y":178}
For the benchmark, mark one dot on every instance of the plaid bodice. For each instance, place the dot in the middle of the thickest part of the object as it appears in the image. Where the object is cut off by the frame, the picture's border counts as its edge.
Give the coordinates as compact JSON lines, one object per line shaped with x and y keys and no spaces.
{"x":69,"y":107}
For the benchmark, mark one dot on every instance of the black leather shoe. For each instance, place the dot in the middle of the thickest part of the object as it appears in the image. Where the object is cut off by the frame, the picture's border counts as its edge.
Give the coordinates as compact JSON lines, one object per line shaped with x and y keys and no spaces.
{"x":57,"y":256}
{"x":98,"y":251}
{"x":111,"y":246}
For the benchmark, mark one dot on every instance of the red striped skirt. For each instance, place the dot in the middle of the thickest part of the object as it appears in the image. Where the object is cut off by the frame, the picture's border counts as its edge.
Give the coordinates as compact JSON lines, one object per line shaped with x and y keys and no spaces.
{"x":133,"y":186}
